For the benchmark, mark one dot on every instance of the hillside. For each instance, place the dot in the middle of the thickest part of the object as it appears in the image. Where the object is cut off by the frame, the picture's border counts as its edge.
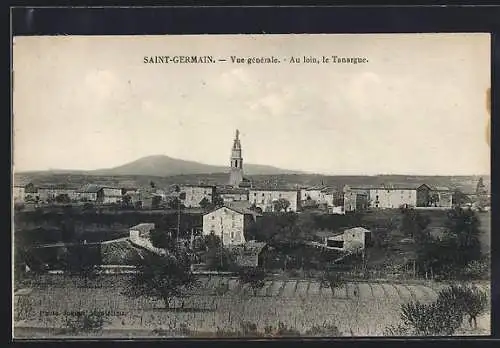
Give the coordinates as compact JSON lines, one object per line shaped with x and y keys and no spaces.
{"x":160,"y":165}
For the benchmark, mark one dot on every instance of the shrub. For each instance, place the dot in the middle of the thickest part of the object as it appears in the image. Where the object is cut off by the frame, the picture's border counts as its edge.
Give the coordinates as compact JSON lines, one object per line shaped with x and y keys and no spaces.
{"x":444,"y":316}
{"x":286,"y":331}
{"x":182,"y":330}
{"x":325,"y":330}
{"x":477,"y":269}
{"x":249,"y":329}
{"x":464,"y":300}
{"x":85,"y":321}
{"x":331,"y":279}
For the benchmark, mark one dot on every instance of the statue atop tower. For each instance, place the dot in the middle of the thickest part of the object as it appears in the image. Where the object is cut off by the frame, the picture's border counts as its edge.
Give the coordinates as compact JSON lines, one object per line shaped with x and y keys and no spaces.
{"x":236,"y":173}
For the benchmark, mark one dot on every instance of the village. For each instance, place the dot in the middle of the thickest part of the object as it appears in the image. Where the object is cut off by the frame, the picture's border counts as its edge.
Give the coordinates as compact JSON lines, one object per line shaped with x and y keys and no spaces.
{"x":290,"y":238}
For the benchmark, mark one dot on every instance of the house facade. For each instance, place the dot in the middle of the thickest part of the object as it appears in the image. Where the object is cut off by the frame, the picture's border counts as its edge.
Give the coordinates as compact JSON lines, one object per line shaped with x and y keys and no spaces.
{"x":355,"y":199}
{"x":312,"y":193}
{"x":442,"y":197}
{"x":109,"y":195}
{"x":100,"y":194}
{"x":88,"y":193}
{"x":228,"y":223}
{"x":47,"y":193}
{"x":266,"y":198}
{"x":249,"y":254}
{"x":396,"y":196}
{"x":351,"y":240}
{"x":196,"y":193}
{"x":18,"y":193}
{"x":233,"y":194}
{"x":141,"y":230}
{"x":393,"y":198}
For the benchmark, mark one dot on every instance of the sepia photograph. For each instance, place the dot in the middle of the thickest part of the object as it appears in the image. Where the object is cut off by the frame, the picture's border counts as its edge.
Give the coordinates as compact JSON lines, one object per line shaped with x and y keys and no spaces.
{"x":251,"y":186}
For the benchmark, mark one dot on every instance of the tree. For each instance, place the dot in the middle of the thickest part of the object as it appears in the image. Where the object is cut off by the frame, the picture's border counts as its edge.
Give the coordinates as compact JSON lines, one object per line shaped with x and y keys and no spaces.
{"x":68,"y":230}
{"x":281,"y":205}
{"x":81,"y":260}
{"x":459,"y":198}
{"x":467,"y":300}
{"x":155,"y":202}
{"x":126,"y":201}
{"x":162,"y":239}
{"x":216,"y":256}
{"x":433,"y":199}
{"x":481,"y":194}
{"x":480,"y":187}
{"x":463,"y":236}
{"x":62,"y":198}
{"x":255,"y":277}
{"x":205,"y":204}
{"x":413,"y":223}
{"x":219,"y":259}
{"x":162,"y":277}
{"x":213,"y":241}
{"x":432,"y":319}
{"x":445,"y":315}
{"x":152,"y":184}
{"x":218,"y":201}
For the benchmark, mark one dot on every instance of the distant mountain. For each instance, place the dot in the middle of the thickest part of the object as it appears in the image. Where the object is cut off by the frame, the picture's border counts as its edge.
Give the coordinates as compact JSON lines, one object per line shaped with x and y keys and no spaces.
{"x":162,"y":166}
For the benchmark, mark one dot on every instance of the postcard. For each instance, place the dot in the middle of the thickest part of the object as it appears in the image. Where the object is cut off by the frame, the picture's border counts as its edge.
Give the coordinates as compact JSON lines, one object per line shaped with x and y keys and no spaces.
{"x":251,"y":186}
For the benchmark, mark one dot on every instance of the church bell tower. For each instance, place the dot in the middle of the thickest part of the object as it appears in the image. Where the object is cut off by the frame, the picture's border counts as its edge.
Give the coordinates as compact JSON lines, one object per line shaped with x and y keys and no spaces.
{"x":236,"y":174}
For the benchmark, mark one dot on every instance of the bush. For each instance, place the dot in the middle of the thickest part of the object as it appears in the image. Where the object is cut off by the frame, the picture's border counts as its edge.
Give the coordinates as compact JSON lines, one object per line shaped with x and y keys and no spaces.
{"x":182,"y":330}
{"x":477,"y":269}
{"x":325,"y":330}
{"x":442,"y":317}
{"x":331,"y":279}
{"x":85,"y":321}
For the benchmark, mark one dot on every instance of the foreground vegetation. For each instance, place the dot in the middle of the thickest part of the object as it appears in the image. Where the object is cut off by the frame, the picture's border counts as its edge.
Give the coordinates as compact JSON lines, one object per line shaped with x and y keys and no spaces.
{"x":355,"y":308}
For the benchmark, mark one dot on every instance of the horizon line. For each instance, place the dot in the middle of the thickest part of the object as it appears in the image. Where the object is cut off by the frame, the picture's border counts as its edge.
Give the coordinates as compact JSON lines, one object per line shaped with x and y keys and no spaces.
{"x":300,"y":172}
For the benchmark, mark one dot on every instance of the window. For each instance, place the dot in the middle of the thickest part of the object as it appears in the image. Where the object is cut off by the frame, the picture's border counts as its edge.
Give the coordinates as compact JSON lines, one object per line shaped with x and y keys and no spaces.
{"x":213,"y":217}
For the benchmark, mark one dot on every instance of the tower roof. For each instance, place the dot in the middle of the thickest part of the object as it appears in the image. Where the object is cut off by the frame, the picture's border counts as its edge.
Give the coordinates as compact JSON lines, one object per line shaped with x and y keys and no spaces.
{"x":237,"y":144}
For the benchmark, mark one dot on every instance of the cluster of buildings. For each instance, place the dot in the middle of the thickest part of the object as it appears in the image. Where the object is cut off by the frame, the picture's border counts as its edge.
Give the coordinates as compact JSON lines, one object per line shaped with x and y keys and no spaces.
{"x":234,"y":206}
{"x":241,"y":189}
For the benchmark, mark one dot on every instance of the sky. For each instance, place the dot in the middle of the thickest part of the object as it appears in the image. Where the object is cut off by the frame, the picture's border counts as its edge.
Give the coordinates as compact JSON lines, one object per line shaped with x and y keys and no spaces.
{"x":418,"y":106}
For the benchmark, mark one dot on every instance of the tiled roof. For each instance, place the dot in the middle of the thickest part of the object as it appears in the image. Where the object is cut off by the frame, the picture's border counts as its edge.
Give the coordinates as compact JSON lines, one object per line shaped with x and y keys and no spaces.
{"x":356,"y":229}
{"x":90,"y":188}
{"x":250,"y":248}
{"x":405,"y":186}
{"x":441,"y":188}
{"x":57,"y":187}
{"x":274,"y":189}
{"x":143,"y":227}
{"x":232,"y":191}
{"x":200,"y":185}
{"x":241,"y":207}
{"x":327,"y":234}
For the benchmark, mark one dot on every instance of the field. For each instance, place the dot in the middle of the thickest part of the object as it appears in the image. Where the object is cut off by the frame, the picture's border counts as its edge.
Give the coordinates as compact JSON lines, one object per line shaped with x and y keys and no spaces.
{"x":356,"y":308}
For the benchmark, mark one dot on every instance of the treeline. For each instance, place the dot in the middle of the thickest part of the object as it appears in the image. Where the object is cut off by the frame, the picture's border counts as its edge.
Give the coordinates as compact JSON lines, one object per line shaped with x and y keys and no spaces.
{"x":453,"y":252}
{"x":70,"y":226}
